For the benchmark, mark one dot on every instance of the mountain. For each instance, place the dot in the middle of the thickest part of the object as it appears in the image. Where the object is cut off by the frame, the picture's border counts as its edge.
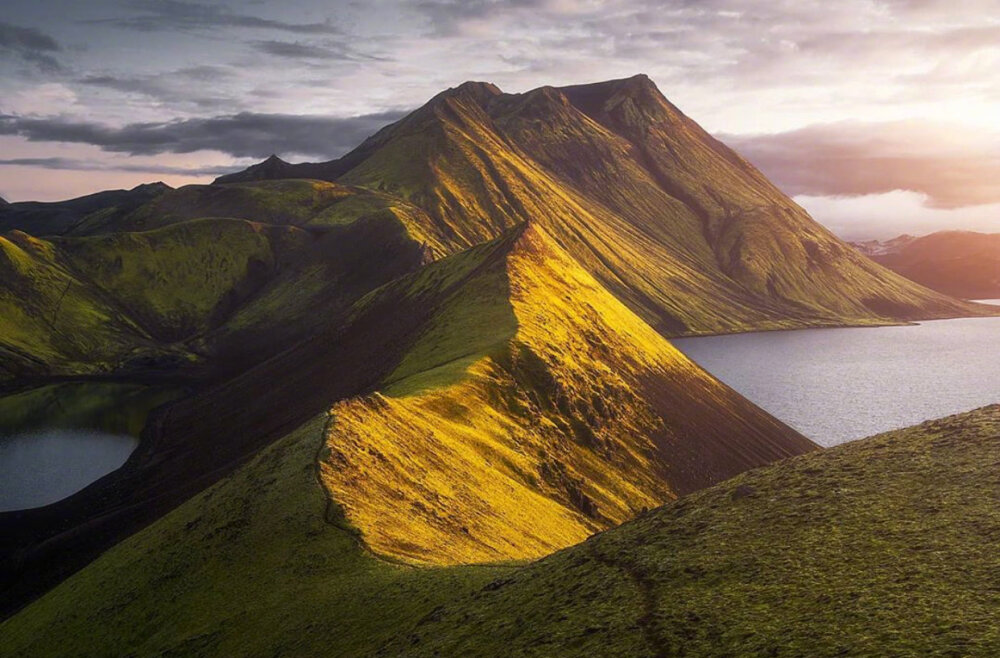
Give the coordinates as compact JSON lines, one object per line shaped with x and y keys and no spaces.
{"x":496,"y":404}
{"x":959,"y":263}
{"x":59,"y":217}
{"x":678,"y":226}
{"x":446,"y":348}
{"x":872,"y":547}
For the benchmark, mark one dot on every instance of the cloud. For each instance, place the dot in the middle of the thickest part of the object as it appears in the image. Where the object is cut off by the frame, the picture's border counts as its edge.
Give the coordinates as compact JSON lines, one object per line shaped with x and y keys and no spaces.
{"x":30,"y":45}
{"x":883,"y":216}
{"x":241,"y":135}
{"x":73,"y":164}
{"x":952,"y":166}
{"x":200,"y":86}
{"x":296,"y":50}
{"x":160,"y":15}
{"x":39,"y":99}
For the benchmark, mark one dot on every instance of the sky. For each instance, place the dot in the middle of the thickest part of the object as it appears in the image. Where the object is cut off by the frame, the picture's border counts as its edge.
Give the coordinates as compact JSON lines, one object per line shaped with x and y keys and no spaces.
{"x":879,"y":116}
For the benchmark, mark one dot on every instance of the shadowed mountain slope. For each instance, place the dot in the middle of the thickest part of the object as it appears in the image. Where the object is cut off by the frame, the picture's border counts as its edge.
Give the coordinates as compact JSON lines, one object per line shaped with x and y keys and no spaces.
{"x":60,"y":217}
{"x":255,"y":565}
{"x":877,"y":547}
{"x":960,"y":263}
{"x":675,"y":224}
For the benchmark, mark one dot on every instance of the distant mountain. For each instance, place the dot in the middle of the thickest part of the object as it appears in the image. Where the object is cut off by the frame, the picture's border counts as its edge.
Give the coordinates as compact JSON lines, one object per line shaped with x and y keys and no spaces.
{"x":959,"y":263}
{"x":60,"y":217}
{"x":872,"y":248}
{"x":183,"y":296}
{"x":678,"y":226}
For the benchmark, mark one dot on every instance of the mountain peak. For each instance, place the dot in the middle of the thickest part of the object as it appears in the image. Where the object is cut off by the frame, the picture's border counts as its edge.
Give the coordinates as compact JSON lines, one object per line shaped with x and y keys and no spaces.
{"x":480,"y":92}
{"x":271,"y":168}
{"x":596,"y":98}
{"x":155,"y":187}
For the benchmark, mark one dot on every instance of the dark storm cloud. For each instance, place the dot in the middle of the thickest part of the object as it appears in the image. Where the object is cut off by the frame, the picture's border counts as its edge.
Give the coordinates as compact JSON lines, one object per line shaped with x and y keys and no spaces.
{"x":157,"y":15}
{"x":31,"y":45}
{"x":74,"y":164}
{"x":953,"y":167}
{"x":241,"y":135}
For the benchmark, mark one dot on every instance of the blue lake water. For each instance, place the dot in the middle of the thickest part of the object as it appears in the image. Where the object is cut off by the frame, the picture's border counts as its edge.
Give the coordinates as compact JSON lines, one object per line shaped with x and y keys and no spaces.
{"x":836,"y":385}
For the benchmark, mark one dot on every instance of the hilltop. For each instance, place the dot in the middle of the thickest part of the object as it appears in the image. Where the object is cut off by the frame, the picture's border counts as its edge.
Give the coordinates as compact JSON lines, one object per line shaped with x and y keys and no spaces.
{"x":59,"y":217}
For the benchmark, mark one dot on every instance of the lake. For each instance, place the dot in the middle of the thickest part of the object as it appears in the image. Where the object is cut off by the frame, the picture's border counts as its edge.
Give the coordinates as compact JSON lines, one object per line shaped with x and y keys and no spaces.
{"x":41,"y":467}
{"x":57,"y":439}
{"x":836,"y":385}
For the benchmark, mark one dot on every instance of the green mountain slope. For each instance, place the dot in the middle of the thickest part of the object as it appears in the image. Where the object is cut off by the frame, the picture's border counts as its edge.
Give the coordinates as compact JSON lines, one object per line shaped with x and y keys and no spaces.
{"x":518,"y":408}
{"x":207,"y":294}
{"x":960,"y":263}
{"x":675,"y":224}
{"x":50,"y":323}
{"x":533,"y":409}
{"x":879,"y":547}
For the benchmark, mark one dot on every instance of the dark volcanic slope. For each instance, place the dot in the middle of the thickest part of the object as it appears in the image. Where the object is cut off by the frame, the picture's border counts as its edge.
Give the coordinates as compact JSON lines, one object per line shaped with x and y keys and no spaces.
{"x":674,"y":223}
{"x":959,"y":263}
{"x":883,"y":547}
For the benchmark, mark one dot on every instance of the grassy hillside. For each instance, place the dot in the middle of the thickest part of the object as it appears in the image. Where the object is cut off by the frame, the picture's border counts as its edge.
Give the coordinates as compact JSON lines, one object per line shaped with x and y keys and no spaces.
{"x":533,"y":409}
{"x":50,"y":321}
{"x":214,"y":293}
{"x":880,"y":547}
{"x":884,"y":546}
{"x":122,"y":302}
{"x":680,"y":228}
{"x":181,"y":280}
{"x":960,"y":263}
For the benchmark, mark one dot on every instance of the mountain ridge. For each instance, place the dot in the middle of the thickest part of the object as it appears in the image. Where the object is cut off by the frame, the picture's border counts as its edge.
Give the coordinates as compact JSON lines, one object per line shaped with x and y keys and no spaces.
{"x":613,"y":168}
{"x":400,"y":353}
